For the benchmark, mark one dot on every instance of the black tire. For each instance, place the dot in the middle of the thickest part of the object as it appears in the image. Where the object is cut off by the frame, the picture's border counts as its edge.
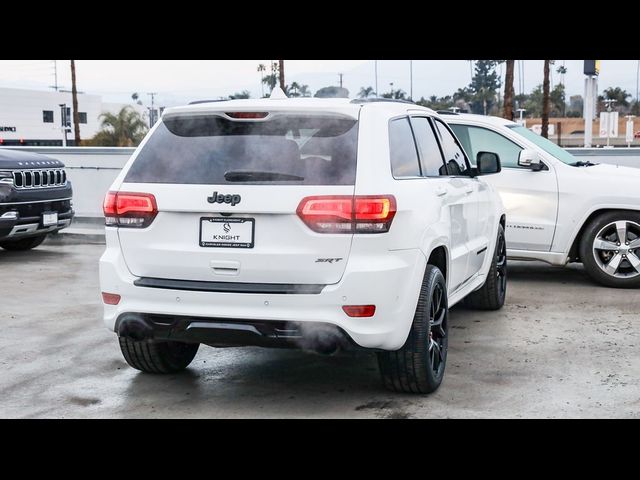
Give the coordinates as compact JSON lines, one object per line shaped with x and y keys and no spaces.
{"x":588,"y":256}
{"x":418,"y":367}
{"x":492,"y":294}
{"x":23,"y":244}
{"x":158,"y":357}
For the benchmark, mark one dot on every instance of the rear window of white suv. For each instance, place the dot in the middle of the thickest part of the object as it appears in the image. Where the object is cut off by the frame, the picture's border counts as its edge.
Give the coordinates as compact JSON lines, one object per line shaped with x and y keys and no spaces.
{"x":283,"y":149}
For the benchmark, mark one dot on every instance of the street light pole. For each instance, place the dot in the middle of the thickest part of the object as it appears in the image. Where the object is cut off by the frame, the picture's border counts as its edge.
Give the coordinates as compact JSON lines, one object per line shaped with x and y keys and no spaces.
{"x":411,"y":80}
{"x":152,"y":116}
{"x":63,"y":121}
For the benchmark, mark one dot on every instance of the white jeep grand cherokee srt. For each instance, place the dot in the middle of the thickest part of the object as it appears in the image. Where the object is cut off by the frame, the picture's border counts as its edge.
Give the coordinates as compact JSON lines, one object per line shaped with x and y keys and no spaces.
{"x":312,"y":223}
{"x":560,"y":209}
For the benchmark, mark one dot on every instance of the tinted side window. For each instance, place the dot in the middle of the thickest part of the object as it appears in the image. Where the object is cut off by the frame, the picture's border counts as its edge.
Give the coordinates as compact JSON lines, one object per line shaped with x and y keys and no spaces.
{"x":402,"y":149}
{"x":484,"y":140}
{"x":453,"y":154}
{"x":430,"y":156}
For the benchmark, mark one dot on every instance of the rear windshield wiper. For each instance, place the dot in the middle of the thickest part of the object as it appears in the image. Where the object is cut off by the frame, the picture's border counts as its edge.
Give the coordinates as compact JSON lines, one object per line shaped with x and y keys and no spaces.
{"x":257,"y":176}
{"x":580,"y":163}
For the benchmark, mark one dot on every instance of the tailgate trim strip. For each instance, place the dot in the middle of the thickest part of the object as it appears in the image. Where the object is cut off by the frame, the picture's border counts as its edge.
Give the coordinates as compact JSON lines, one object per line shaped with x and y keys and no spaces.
{"x":229,"y":287}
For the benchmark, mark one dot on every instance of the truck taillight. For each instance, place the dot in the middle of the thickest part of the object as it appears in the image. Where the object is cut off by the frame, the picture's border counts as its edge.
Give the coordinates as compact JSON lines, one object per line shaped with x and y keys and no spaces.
{"x":129,"y":209}
{"x":348,"y":214}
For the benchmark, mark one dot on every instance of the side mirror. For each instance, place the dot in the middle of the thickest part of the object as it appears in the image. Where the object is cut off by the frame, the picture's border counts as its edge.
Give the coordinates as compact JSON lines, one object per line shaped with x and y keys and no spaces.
{"x":487,"y":163}
{"x":530,"y":159}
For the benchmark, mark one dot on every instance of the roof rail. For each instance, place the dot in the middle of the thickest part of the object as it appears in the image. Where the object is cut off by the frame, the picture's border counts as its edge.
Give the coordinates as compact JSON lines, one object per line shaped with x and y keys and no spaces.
{"x":446,"y":112}
{"x":195,"y":102}
{"x":377,"y":99}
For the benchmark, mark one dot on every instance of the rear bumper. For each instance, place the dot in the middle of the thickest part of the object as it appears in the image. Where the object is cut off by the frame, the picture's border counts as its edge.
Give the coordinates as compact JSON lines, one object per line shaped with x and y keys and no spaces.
{"x":391,"y":282}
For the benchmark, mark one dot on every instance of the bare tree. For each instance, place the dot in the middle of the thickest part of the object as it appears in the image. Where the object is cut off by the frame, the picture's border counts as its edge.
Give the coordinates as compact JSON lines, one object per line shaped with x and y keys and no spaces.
{"x":545,"y":100}
{"x":508,"y":91}
{"x":74,"y":100}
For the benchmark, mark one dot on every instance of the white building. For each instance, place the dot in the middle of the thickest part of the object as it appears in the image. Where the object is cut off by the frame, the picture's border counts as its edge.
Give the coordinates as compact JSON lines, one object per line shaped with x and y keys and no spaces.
{"x":34,"y":117}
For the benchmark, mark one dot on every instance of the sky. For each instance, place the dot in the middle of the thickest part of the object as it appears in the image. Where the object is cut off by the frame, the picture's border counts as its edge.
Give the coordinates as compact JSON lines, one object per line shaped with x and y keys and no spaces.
{"x":181,"y":81}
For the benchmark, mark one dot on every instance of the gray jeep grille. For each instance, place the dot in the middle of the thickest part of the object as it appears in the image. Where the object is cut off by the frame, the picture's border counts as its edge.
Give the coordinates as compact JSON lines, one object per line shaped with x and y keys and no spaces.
{"x":40,"y":178}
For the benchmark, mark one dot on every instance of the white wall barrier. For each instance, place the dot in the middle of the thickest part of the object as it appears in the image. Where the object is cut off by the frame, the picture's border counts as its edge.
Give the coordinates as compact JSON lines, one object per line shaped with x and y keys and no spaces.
{"x":93,"y":169}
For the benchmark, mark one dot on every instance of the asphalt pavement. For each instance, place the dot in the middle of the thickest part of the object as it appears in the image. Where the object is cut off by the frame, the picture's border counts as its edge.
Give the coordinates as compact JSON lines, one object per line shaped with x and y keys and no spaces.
{"x":561,"y":347}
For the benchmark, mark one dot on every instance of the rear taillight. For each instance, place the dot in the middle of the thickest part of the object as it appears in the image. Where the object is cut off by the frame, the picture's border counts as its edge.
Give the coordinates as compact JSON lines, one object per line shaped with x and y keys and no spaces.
{"x":128,"y":209}
{"x":110,"y":298}
{"x":348,"y":214}
{"x":359,"y":310}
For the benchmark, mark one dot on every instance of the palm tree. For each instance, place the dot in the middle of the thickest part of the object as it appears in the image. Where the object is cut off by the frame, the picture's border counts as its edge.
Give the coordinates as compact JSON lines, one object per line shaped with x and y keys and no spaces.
{"x":261,"y":70}
{"x":562,"y":70}
{"x":508,"y":91}
{"x":74,"y":101}
{"x":545,"y":100}
{"x":127,"y":128}
{"x":304,"y":91}
{"x":366,"y":92}
{"x":294,"y":89}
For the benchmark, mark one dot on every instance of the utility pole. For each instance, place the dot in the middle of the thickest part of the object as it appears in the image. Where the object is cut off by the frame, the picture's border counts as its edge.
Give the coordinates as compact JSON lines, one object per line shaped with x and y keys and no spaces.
{"x":74,"y":102}
{"x":638,"y":82}
{"x":340,"y":74}
{"x":375,"y":63}
{"x":281,"y":71}
{"x":411,"y":80}
{"x":152,"y":119}
{"x":55,"y":75}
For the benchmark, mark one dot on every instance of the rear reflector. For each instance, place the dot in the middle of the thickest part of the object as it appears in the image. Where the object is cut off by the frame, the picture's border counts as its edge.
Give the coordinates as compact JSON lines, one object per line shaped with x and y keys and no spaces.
{"x":359,"y":310}
{"x":128,"y":209}
{"x":110,"y":298}
{"x":348,"y":214}
{"x":247,"y":114}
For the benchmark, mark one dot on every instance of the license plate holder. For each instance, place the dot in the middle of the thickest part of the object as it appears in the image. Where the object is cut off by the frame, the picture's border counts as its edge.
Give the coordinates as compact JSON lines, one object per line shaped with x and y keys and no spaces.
{"x":227,"y":232}
{"x":49,"y":219}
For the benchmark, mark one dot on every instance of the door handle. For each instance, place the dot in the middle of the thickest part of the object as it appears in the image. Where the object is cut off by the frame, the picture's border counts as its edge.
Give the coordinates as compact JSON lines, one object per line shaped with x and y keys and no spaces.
{"x":469,"y":191}
{"x":440,"y":191}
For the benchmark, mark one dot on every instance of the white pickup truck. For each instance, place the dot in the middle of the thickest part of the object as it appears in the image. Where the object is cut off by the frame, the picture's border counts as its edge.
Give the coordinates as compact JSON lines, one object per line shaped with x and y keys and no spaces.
{"x":560,"y":209}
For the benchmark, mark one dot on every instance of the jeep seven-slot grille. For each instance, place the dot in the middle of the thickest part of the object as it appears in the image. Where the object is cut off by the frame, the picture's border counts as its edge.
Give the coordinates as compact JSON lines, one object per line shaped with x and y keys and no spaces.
{"x":56,"y":177}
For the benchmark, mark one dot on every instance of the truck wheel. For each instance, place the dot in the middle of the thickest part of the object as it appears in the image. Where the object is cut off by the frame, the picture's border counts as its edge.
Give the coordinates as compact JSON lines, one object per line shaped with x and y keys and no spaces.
{"x":492,"y":294}
{"x":610,"y":249}
{"x":23,"y":244}
{"x":418,"y":367}
{"x":158,"y":357}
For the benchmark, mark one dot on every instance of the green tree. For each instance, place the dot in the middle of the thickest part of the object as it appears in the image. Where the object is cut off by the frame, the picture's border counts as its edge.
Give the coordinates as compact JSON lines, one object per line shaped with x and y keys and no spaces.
{"x":242,"y":94}
{"x":617,"y":94}
{"x":483,"y":86}
{"x":366,"y":92}
{"x":304,"y":91}
{"x":294,"y":89}
{"x":437,"y":103}
{"x":332,"y":92}
{"x":273,"y":78}
{"x":398,"y":94}
{"x":261,"y":70}
{"x":127,"y":128}
{"x":532,"y":103}
{"x":558,"y":102}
